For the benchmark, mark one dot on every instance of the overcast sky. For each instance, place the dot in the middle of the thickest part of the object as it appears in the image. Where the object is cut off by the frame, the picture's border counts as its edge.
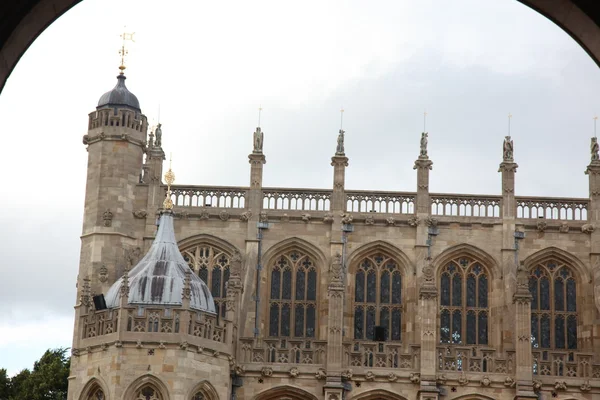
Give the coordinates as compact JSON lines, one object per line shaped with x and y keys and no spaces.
{"x":211,"y":64}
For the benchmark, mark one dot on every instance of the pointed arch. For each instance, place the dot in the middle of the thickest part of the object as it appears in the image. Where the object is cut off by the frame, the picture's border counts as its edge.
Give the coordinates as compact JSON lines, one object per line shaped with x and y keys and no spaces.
{"x":465,"y":249}
{"x":147,"y":380}
{"x":474,"y":396}
{"x":561,"y":255}
{"x":378,"y":394}
{"x":206,"y":388}
{"x":92,"y":386}
{"x":208,"y":239}
{"x":298,"y":243}
{"x":285,"y":392}
{"x":387,"y":248}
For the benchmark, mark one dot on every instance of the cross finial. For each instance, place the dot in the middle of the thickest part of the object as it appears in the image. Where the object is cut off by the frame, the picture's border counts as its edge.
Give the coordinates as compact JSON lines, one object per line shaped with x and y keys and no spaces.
{"x":341,"y":118}
{"x":123,"y":51}
{"x":169,"y":178}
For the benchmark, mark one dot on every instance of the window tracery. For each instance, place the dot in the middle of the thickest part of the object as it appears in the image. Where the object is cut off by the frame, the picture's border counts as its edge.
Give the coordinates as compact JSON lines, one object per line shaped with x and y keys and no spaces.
{"x":464,"y":309}
{"x":553,"y":306}
{"x":97,"y":394}
{"x":199,"y":396}
{"x":148,"y":393}
{"x":293,"y":295}
{"x":212,"y":266}
{"x":378,"y":297}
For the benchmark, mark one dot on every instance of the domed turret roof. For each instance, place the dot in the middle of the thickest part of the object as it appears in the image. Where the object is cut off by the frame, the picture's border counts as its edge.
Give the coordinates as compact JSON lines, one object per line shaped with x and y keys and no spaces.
{"x":119,"y":96}
{"x":159,"y":278}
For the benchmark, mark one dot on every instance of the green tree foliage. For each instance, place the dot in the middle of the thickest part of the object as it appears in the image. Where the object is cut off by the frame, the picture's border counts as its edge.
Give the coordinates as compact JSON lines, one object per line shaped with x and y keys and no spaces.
{"x":47,"y":380}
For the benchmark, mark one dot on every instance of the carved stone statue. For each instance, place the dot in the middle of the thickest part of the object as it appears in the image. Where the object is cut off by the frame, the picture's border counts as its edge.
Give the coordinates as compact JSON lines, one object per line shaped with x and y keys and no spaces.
{"x":340,"y":144}
{"x":594,"y":148}
{"x":158,"y":134}
{"x":258,"y":141}
{"x":507,"y":149}
{"x":423,"y":145}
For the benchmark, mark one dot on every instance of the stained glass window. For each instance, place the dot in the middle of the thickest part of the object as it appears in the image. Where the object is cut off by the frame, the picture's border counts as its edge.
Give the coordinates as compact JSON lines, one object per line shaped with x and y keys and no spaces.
{"x":212,"y":266}
{"x":554,"y":306}
{"x":464,"y":302}
{"x":293,"y":295}
{"x":378,"y":297}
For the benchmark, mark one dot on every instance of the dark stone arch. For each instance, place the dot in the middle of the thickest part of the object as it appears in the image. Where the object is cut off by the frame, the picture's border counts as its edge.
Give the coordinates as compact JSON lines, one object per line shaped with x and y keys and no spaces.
{"x":285,"y":391}
{"x":208,"y":239}
{"x":468,"y":250}
{"x":148,"y":379}
{"x":93,"y":384}
{"x":583,"y":275}
{"x":206,"y":388}
{"x":297,"y":243}
{"x":405,"y":264}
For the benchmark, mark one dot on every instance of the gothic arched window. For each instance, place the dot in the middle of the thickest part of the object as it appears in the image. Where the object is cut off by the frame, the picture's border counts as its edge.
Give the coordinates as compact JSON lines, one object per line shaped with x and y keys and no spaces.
{"x":199,"y":396}
{"x":464,"y":309}
{"x":378,"y":297}
{"x":212,"y":266}
{"x":97,"y":394}
{"x":148,"y":393}
{"x":553,"y":306}
{"x":293,"y":296}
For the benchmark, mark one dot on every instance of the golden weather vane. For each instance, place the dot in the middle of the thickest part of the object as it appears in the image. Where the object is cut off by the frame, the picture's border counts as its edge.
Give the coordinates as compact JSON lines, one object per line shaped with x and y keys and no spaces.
{"x":169,"y":178}
{"x":123,"y":51}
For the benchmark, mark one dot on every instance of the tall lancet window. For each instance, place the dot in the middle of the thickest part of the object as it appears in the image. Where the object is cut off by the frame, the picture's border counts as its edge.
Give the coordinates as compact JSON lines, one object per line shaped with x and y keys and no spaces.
{"x":378,"y":297}
{"x":148,"y":393}
{"x":293,"y":295}
{"x":554,"y":306}
{"x":97,"y":394}
{"x":212,"y":266}
{"x":464,"y":309}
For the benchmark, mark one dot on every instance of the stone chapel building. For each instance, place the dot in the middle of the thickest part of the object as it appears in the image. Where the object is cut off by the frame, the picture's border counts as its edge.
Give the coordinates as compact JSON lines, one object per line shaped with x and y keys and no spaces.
{"x":265,"y":293}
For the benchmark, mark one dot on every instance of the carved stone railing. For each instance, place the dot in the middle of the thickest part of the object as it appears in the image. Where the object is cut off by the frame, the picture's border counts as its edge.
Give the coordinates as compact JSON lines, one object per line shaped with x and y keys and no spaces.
{"x":380,"y":355}
{"x":565,"y":363}
{"x":380,"y":202}
{"x":209,"y":196}
{"x":283,"y":351}
{"x":296,"y":199}
{"x":561,"y":209}
{"x":461,"y":205}
{"x":99,"y":323}
{"x":473,"y":359}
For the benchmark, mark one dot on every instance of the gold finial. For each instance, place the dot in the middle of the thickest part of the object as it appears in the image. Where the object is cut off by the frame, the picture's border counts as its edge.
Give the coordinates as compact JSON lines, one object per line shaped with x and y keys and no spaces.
{"x":123,"y":51}
{"x":169,"y":178}
{"x":341,"y":118}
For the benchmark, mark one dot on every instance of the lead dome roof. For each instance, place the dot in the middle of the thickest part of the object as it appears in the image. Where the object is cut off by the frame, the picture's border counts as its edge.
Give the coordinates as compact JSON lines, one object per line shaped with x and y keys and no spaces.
{"x":119,"y":96}
{"x":159,"y":277}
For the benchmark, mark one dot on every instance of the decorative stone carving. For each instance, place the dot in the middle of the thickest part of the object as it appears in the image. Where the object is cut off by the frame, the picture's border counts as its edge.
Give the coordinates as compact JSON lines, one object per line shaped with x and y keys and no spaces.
{"x":431,"y":222}
{"x":414,"y":377}
{"x":103,"y":274}
{"x":339,"y":151}
{"x":587,"y":228}
{"x":138,"y":344}
{"x":162,"y":345}
{"x":413,"y":221}
{"x":183,"y":345}
{"x":509,"y":382}
{"x":118,"y":344}
{"x":266,"y":372}
{"x":537,"y":386}
{"x":285,"y":218}
{"x":370,"y":376}
{"x":594,"y":148}
{"x":140,"y":214}
{"x":294,"y":372}
{"x":204,"y":214}
{"x":507,"y":149}
{"x":158,"y":133}
{"x":441,"y":379}
{"x":564,"y":228}
{"x":346,"y":218}
{"x":391,"y":221}
{"x":187,"y":289}
{"x":392,"y":377}
{"x":263,"y":217}
{"x":258,"y":141}
{"x":423,"y":145}
{"x":463,"y":380}
{"x":75,"y":352}
{"x":184,"y":215}
{"x":558,"y":385}
{"x":306,"y":217}
{"x":216,"y":354}
{"x":132,"y":255}
{"x":369,"y":220}
{"x":336,"y":269}
{"x":428,"y":273}
{"x":347,"y":375}
{"x":224,"y":215}
{"x":246,"y":215}
{"x":320,"y":374}
{"x":541,"y":226}
{"x":107,"y":216}
{"x":486,"y":381}
{"x":328,"y":218}
{"x":585,"y":386}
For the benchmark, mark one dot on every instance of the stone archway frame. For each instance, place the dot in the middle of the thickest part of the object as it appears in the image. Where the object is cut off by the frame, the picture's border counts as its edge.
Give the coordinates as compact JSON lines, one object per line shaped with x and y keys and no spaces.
{"x":378,"y":394}
{"x":143,"y":380}
{"x":211,"y":240}
{"x":469,"y":250}
{"x":405,"y":264}
{"x":93,"y":383}
{"x":207,"y":389}
{"x":287,"y":392}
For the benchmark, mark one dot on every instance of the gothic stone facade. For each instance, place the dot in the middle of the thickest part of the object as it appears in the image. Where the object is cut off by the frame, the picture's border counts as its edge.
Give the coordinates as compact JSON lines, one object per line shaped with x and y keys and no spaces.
{"x":359,"y":294}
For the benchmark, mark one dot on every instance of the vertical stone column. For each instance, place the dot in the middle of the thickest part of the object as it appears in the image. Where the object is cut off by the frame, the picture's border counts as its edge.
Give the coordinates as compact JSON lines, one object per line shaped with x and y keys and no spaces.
{"x":254,"y":205}
{"x":234,"y":294}
{"x":428,"y":308}
{"x":593,"y":228}
{"x":423,"y":221}
{"x":338,"y":198}
{"x":152,"y":176}
{"x":335,"y":322}
{"x":508,"y":210}
{"x":522,"y":327}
